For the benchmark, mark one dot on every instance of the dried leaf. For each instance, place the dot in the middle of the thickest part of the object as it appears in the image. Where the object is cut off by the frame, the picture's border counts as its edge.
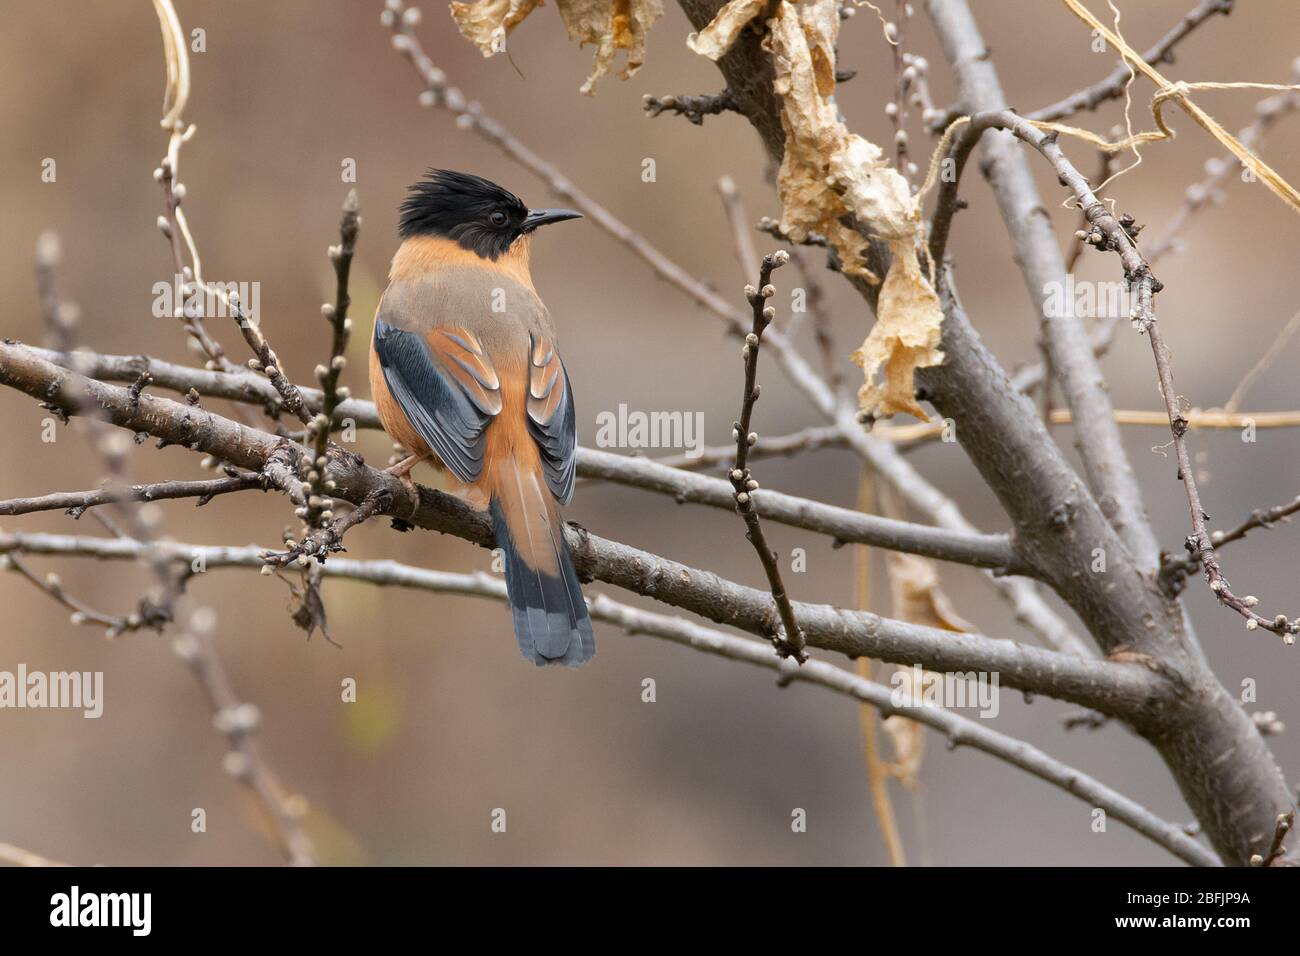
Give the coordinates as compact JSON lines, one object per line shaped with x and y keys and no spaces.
{"x":830,"y":177}
{"x":612,"y":25}
{"x":486,"y":23}
{"x":917,"y":598}
{"x":907,"y":740}
{"x":905,"y":337}
{"x":307,"y":607}
{"x":717,"y":38}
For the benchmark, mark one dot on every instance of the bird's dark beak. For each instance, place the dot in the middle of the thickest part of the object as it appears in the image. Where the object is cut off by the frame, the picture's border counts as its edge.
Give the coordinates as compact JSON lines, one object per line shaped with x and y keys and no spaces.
{"x":542,"y":217}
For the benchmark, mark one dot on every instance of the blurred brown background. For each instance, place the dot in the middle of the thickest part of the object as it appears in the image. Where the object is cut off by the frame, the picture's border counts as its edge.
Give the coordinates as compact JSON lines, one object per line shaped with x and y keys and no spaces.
{"x":450,"y":722}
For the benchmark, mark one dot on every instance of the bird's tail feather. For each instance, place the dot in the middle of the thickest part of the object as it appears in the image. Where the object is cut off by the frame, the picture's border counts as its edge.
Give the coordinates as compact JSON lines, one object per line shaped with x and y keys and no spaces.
{"x":550,"y":616}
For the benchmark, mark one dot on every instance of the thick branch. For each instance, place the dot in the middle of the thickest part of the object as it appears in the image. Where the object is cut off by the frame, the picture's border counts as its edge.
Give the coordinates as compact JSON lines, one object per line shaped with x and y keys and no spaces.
{"x":1128,"y":690}
{"x":958,"y":543}
{"x":1106,"y":465}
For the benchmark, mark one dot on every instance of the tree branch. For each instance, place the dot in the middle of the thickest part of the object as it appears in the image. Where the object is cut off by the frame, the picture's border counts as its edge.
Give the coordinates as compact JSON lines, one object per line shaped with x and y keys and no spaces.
{"x":76,"y":503}
{"x":790,"y":641}
{"x":1112,"y":87}
{"x":962,"y":544}
{"x":958,"y":730}
{"x":1128,"y":690}
{"x":1105,"y":462}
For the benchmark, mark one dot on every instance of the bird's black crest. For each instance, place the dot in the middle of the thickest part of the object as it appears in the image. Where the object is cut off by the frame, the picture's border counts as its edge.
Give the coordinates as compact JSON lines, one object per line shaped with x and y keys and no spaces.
{"x":470,"y":210}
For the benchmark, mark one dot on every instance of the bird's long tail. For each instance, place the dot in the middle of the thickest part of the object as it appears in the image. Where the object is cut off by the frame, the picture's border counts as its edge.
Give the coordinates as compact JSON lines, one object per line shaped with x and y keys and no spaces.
{"x":550,"y":615}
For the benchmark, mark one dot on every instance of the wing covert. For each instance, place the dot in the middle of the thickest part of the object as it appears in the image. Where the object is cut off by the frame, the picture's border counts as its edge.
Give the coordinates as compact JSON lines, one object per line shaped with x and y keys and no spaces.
{"x":551,"y":416}
{"x":447,"y":388}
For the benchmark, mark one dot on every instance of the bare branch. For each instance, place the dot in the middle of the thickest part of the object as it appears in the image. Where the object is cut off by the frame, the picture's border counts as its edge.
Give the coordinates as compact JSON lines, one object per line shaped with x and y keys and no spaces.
{"x":959,"y":731}
{"x":693,"y":106}
{"x":789,"y":642}
{"x":76,"y":503}
{"x":1106,"y":465}
{"x":960,"y":543}
{"x":1145,"y":285}
{"x":1109,"y":687}
{"x":1112,"y":87}
{"x":318,"y":428}
{"x":1284,"y":823}
{"x":811,"y":438}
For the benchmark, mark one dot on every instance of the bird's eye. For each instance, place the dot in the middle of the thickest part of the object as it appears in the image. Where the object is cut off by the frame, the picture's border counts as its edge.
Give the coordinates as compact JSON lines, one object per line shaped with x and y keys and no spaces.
{"x":498,"y":218}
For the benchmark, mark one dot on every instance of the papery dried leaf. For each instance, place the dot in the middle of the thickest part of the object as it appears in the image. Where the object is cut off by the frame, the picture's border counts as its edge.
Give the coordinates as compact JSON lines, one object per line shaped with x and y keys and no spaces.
{"x":830,"y":176}
{"x":905,"y":337}
{"x":486,"y":23}
{"x":717,"y":38}
{"x":907,"y":740}
{"x":612,"y":25}
{"x":307,"y":607}
{"x":812,"y":134}
{"x":917,"y":598}
{"x":916,"y":595}
{"x":875,"y":192}
{"x":821,"y":27}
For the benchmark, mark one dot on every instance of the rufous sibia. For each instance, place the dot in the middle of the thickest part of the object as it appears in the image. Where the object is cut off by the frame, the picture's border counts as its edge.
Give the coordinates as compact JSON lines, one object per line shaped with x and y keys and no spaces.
{"x":466,"y":375}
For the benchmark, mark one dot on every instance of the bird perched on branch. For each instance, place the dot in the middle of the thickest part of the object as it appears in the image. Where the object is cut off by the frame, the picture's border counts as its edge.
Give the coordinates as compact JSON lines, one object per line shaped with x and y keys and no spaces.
{"x":466,"y":375}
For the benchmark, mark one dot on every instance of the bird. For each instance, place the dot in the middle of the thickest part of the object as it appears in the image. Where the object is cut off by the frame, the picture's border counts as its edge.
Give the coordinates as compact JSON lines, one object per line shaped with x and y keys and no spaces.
{"x":466,"y":375}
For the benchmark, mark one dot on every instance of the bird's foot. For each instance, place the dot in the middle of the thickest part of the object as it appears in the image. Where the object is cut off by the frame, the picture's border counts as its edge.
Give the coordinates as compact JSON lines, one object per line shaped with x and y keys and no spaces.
{"x":403,"y":468}
{"x":402,"y":472}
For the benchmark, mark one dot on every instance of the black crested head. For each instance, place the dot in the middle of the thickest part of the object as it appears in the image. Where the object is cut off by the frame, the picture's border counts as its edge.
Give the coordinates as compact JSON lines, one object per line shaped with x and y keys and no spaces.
{"x":477,"y":214}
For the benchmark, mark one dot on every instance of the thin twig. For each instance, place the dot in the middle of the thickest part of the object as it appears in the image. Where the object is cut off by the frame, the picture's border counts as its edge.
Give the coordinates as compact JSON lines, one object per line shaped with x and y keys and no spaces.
{"x":1284,"y":823}
{"x":789,"y":641}
{"x":76,"y":503}
{"x":742,"y":232}
{"x":1260,"y":367}
{"x":692,"y":106}
{"x":811,"y":438}
{"x":82,"y":613}
{"x":1176,"y":567}
{"x":1112,"y":87}
{"x":332,"y":394}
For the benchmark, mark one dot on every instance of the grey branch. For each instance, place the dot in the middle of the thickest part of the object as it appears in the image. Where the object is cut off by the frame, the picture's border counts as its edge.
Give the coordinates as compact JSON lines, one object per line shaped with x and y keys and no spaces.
{"x":1112,"y":87}
{"x":693,"y":106}
{"x":1123,"y":689}
{"x":1106,"y":466}
{"x":789,"y":640}
{"x":958,"y":730}
{"x":76,"y":503}
{"x":960,"y":543}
